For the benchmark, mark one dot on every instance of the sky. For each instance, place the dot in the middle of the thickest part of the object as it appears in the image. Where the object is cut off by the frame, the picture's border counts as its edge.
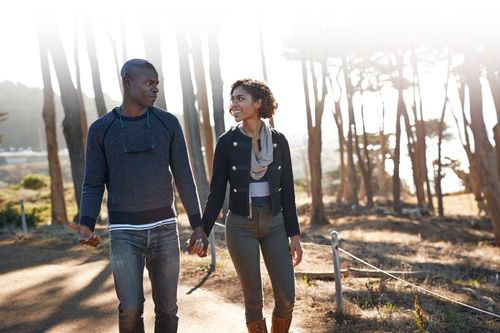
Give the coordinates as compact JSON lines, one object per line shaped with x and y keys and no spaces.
{"x":240,"y":57}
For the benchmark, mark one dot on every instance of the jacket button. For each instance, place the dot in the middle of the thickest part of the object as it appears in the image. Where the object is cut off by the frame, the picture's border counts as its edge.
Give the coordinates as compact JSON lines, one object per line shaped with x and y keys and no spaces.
{"x":235,"y":190}
{"x":275,"y":145}
{"x":235,"y":143}
{"x":279,"y":167}
{"x":234,"y":168}
{"x":279,"y":189}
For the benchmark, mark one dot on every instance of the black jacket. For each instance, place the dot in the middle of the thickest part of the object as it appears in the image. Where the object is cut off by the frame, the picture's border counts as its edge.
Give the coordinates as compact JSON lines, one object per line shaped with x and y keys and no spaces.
{"x":232,"y":163}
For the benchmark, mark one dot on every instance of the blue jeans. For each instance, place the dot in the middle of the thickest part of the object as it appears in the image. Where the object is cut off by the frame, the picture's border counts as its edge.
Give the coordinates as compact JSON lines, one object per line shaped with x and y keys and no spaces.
{"x":158,"y":249}
{"x":246,"y":238}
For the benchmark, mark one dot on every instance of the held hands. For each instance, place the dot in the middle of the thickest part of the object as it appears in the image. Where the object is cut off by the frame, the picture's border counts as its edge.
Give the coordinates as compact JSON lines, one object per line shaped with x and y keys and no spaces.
{"x":198,"y":242}
{"x":87,"y":237}
{"x":295,"y":250}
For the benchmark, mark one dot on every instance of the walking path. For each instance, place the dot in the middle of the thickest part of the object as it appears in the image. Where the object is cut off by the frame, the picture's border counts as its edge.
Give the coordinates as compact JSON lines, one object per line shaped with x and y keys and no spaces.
{"x":75,"y":293}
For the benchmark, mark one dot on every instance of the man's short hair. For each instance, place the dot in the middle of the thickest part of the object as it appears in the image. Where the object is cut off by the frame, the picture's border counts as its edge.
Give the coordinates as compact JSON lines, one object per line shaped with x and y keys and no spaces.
{"x":132,"y":65}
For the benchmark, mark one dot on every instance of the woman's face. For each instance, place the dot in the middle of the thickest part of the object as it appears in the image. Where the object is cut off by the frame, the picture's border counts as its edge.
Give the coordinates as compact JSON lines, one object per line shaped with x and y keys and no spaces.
{"x":242,"y":106}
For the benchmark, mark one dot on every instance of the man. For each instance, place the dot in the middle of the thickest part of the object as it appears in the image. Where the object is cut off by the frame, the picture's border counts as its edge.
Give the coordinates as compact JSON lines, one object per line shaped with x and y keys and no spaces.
{"x":134,"y":151}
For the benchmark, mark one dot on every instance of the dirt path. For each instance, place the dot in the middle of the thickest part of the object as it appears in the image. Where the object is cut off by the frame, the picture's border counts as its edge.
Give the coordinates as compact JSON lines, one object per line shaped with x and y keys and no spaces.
{"x":52,"y":290}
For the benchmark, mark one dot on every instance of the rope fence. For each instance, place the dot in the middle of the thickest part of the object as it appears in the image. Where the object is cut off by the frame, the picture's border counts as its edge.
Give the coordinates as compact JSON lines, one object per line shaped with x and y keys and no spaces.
{"x":337,"y":274}
{"x":336,"y":249}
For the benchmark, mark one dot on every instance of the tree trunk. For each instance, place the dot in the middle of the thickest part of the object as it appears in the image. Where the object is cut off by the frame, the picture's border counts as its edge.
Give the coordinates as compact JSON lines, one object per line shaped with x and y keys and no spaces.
{"x":117,"y":63}
{"x":191,"y":117}
{"x":342,"y":174}
{"x":369,"y":168}
{"x":421,"y":174}
{"x":364,"y":173}
{"x":152,"y":47}
{"x":201,"y":96}
{"x":314,"y":143}
{"x":83,"y":114}
{"x":216,"y":81}
{"x":94,"y":67}
{"x":439,"y":175}
{"x":396,"y":181}
{"x":352,"y":182}
{"x":419,"y":185}
{"x":494,"y":81}
{"x":382,"y":183}
{"x":473,"y":169}
{"x":484,"y":151}
{"x":72,"y":123}
{"x":263,"y":63}
{"x":58,"y":205}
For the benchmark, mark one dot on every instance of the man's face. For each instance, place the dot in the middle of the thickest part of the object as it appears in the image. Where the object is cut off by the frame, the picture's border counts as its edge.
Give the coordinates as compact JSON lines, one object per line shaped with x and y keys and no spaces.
{"x":142,"y":86}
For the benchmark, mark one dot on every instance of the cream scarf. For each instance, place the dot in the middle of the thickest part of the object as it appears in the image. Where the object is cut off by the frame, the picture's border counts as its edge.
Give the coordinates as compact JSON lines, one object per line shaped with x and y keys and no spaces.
{"x":264,"y":157}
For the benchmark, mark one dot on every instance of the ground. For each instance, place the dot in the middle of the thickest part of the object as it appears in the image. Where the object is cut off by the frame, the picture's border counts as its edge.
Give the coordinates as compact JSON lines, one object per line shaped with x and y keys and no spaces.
{"x":51,"y":283}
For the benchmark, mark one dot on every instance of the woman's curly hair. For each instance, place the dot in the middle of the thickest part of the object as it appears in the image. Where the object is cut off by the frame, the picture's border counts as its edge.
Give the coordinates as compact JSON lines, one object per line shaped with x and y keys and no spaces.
{"x":258,"y":89}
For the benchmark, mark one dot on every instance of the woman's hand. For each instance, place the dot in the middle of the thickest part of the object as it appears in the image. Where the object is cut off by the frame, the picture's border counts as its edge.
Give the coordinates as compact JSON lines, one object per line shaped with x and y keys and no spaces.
{"x":198,"y":242}
{"x":295,"y":250}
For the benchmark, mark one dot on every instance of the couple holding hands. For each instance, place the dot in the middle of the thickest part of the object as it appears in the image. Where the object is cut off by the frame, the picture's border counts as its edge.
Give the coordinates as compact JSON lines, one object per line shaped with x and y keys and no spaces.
{"x":137,"y":151}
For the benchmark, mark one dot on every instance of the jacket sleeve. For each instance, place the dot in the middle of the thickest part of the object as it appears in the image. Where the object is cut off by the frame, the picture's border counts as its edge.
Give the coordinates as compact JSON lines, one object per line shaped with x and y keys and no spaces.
{"x":218,"y":185}
{"x":94,"y":180}
{"x":288,"y":192}
{"x":181,"y":170}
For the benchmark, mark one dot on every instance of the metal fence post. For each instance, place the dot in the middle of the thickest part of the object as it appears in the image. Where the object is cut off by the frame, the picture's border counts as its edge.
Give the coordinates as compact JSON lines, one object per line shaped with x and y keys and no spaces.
{"x":336,"y":267}
{"x":211,"y":239}
{"x":23,"y":217}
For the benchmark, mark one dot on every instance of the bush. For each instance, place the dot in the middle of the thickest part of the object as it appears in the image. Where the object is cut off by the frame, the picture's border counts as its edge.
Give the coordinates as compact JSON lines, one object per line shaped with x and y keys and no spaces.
{"x":12,"y":216}
{"x":34,"y":181}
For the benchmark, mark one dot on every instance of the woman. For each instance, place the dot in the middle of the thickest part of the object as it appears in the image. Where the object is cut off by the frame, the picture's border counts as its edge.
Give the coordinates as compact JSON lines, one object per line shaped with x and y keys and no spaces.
{"x":255,"y":159}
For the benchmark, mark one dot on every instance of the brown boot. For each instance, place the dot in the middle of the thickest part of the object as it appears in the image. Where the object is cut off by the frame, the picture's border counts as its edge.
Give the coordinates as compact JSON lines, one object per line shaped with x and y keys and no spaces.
{"x":280,"y":325}
{"x":257,"y":326}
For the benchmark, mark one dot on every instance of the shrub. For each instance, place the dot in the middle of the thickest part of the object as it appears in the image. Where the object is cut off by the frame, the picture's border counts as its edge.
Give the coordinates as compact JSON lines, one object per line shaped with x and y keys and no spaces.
{"x":34,"y":181}
{"x":12,"y":216}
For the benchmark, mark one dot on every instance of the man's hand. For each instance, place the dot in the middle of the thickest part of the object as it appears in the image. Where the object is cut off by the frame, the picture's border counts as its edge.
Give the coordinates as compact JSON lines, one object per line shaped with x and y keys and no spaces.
{"x":198,"y":242}
{"x":295,"y":250}
{"x":87,"y":237}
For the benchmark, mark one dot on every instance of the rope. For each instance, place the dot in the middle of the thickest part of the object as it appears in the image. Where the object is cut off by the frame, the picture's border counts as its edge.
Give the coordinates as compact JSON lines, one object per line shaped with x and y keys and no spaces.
{"x":418,"y":287}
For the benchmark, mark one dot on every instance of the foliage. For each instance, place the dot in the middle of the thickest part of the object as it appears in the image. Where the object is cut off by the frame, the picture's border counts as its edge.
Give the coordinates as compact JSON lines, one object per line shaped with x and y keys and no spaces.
{"x":432,"y":129}
{"x":34,"y":181}
{"x":418,"y":317}
{"x":11,"y":216}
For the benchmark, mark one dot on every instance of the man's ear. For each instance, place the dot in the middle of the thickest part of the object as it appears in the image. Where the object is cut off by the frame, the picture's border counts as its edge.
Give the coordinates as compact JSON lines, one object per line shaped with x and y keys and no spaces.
{"x":126,"y":82}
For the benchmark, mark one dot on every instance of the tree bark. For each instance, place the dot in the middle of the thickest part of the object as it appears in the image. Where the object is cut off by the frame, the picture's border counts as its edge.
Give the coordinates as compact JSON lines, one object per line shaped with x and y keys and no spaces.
{"x":314,"y":141}
{"x":202,"y":98}
{"x":83,"y":114}
{"x":382,"y":183}
{"x":485,"y":156}
{"x":191,"y":117}
{"x":369,"y":168}
{"x":352,"y":182}
{"x":72,"y":123}
{"x":396,"y":181}
{"x":58,"y":205}
{"x":94,"y":67}
{"x":439,"y":175}
{"x":420,"y":160}
{"x":342,"y":174}
{"x":152,"y":47}
{"x":263,"y":63}
{"x":216,"y":81}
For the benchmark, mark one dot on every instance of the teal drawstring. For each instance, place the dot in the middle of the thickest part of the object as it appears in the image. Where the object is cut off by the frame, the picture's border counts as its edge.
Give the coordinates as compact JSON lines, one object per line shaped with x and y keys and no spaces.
{"x":122,"y":124}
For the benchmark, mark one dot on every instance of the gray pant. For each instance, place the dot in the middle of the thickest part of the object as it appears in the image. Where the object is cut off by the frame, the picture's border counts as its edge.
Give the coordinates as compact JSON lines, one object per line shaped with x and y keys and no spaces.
{"x":244,"y":236}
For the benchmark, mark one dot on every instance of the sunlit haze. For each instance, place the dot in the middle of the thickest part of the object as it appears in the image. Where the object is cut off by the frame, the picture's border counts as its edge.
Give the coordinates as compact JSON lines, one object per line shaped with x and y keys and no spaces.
{"x":355,"y":24}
